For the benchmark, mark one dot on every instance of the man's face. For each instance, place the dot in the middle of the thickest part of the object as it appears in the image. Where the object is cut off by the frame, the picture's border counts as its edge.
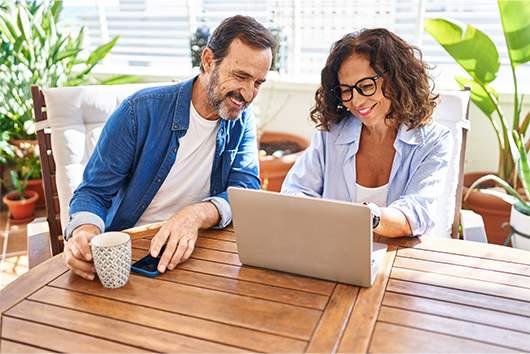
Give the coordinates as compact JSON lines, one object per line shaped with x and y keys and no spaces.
{"x":236,"y":80}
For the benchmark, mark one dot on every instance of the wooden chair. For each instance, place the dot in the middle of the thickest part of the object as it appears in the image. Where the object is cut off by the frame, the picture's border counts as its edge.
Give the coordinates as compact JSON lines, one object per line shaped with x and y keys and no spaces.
{"x":51,"y":197}
{"x":68,"y":123}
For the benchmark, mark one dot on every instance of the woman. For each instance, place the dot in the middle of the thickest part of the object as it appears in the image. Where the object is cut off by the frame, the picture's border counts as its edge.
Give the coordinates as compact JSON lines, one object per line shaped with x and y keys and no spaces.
{"x":376,"y":142}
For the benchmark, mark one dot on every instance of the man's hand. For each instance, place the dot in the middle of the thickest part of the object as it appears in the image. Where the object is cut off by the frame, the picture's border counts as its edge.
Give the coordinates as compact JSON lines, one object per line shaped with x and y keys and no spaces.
{"x":78,"y":253}
{"x":181,"y":231}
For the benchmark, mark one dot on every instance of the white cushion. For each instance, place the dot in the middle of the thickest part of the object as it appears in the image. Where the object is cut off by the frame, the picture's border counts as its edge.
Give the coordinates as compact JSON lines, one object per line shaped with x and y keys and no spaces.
{"x":76,"y":116}
{"x":451,"y":112}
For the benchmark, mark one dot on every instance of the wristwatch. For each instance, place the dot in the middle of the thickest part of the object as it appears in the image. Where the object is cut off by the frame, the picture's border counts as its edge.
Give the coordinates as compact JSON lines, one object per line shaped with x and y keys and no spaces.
{"x":376,"y":211}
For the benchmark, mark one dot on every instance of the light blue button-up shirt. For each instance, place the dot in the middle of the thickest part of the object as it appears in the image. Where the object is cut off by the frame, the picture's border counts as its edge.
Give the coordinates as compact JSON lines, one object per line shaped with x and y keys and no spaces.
{"x":137,"y":149}
{"x":421,"y":162}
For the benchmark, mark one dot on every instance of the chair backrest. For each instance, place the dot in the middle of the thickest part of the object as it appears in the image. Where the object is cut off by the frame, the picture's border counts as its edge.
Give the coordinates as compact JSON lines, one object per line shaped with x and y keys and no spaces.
{"x":69,"y":121}
{"x":453,"y":112}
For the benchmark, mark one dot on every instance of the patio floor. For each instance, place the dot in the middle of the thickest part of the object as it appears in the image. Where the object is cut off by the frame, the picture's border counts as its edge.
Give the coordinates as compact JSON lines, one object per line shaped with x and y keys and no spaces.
{"x":14,"y":262}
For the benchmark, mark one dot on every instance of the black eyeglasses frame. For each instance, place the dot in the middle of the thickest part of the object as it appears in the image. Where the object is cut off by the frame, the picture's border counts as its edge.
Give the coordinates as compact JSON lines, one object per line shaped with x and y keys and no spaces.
{"x":338,"y":93}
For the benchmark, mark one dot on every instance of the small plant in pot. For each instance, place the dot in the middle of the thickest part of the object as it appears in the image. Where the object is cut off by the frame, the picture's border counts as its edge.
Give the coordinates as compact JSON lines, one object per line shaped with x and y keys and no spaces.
{"x":21,"y":202}
{"x":520,"y":213}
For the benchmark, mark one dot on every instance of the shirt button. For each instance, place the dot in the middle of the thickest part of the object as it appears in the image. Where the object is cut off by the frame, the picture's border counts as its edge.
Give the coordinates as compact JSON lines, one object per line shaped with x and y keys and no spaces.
{"x":143,"y":206}
{"x":175,"y":126}
{"x":175,"y":150}
{"x":159,"y":180}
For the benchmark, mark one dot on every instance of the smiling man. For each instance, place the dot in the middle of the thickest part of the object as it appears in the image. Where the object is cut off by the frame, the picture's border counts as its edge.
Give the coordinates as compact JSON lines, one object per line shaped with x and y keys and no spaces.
{"x":169,"y":153}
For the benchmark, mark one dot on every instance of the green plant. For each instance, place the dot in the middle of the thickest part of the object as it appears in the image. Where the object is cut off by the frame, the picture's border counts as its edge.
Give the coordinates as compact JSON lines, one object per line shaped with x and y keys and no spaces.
{"x":477,"y":54}
{"x":20,"y":185}
{"x":37,"y":49}
{"x":520,"y":160}
{"x":25,"y":158}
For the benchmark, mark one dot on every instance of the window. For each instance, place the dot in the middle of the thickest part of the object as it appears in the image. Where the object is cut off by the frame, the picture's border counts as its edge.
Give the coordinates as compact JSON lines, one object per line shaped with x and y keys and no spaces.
{"x":155,"y":34}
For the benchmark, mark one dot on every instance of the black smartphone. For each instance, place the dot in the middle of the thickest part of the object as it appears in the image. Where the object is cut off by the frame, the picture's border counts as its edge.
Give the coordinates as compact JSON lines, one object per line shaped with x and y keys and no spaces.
{"x":147,"y":265}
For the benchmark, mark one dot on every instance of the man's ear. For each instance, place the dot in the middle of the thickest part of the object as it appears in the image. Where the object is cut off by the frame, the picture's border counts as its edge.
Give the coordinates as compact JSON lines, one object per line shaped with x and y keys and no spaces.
{"x":207,"y":59}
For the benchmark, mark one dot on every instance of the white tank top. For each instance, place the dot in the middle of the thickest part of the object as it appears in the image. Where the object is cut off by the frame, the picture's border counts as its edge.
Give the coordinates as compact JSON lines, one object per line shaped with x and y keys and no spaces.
{"x":188,"y":181}
{"x":375,"y":195}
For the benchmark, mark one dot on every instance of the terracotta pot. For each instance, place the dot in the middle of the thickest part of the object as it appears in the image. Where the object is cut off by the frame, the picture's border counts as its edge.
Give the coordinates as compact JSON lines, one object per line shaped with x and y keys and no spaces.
{"x":494,"y":211}
{"x":36,"y":185}
{"x":274,"y":169}
{"x":21,"y":210}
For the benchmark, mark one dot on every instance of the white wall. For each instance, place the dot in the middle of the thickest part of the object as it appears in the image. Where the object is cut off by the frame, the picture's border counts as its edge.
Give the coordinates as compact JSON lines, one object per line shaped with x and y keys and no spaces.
{"x":482,"y":153}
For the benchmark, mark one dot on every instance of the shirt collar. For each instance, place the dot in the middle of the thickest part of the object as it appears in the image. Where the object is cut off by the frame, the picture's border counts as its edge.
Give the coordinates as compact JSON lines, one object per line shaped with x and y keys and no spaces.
{"x":181,"y":117}
{"x":350,"y":131}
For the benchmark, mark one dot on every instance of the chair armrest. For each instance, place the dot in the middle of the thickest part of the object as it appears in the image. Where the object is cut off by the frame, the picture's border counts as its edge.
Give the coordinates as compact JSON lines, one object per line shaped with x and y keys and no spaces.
{"x":39,"y":245}
{"x":472,"y":226}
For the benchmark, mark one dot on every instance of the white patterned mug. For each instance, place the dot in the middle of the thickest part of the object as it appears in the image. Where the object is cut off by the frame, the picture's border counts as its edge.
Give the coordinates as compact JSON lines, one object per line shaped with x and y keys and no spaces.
{"x":112,"y":258}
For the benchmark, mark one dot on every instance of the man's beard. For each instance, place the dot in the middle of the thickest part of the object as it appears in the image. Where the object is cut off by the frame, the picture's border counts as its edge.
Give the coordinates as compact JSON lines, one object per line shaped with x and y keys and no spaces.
{"x":218,"y":100}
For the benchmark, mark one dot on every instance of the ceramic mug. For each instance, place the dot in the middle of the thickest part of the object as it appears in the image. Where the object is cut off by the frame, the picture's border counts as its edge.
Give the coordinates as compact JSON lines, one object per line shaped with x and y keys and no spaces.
{"x":112,"y":258}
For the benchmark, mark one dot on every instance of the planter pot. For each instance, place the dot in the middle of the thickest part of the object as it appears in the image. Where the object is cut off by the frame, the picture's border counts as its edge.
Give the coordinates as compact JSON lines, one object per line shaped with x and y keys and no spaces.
{"x":274,"y":169}
{"x":21,"y":210}
{"x":36,"y":185}
{"x":520,"y":224}
{"x":494,"y":211}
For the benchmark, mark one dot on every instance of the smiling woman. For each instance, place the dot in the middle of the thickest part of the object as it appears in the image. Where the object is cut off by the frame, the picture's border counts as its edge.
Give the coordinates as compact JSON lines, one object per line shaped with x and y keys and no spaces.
{"x":376,"y":143}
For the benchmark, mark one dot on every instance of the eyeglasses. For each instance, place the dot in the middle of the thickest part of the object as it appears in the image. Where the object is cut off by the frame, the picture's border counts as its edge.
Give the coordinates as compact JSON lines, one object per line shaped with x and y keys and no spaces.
{"x":366,"y":87}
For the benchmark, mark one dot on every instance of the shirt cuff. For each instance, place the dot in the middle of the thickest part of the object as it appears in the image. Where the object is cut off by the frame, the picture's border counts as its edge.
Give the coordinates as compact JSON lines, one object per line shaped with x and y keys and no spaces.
{"x":82,"y":218}
{"x":225,"y":212}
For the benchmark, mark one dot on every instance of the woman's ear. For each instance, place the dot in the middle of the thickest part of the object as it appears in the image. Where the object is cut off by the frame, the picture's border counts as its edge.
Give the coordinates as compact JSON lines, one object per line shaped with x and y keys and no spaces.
{"x":207,"y":59}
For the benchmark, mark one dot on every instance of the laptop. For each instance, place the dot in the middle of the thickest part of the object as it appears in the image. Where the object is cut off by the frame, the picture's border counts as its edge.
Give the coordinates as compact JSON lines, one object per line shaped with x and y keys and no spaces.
{"x":319,"y":238}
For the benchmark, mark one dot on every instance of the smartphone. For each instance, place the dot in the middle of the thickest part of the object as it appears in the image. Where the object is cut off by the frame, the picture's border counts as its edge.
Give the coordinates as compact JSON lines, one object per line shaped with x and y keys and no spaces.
{"x":147,"y":265}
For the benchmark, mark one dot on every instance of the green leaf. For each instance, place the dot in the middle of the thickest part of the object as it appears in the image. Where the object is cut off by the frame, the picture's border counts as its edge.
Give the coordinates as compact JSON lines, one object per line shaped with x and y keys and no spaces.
{"x":515,"y":17}
{"x":23,"y":22}
{"x":479,"y":95}
{"x":472,"y":49}
{"x":75,"y":82}
{"x":8,"y":27}
{"x":101,"y":52}
{"x":122,"y":79}
{"x":67,"y":54}
{"x":502,"y":183}
{"x":56,"y":10}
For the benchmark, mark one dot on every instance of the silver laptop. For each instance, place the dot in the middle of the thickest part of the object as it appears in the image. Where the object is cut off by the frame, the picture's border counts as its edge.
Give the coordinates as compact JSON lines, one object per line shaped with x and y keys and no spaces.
{"x":315,"y":237}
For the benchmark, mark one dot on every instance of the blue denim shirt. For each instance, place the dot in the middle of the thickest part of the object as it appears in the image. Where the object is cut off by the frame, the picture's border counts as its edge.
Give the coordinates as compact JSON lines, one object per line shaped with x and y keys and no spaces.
{"x":137,"y":148}
{"x":327,"y":169}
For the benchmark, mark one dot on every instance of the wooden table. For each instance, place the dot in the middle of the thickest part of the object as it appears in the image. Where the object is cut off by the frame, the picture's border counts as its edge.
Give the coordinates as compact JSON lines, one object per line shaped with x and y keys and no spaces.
{"x":432,"y":295}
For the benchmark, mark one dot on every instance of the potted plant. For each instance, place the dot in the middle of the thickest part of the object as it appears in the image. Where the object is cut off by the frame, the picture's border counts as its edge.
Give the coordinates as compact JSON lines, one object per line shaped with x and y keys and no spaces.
{"x":278,"y":151}
{"x":21,"y":202}
{"x":520,"y":212}
{"x":477,"y":55}
{"x":37,"y":49}
{"x":23,"y":156}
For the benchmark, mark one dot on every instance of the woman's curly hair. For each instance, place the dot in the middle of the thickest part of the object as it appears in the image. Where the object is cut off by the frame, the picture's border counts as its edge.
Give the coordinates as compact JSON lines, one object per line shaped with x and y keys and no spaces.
{"x":407,"y":83}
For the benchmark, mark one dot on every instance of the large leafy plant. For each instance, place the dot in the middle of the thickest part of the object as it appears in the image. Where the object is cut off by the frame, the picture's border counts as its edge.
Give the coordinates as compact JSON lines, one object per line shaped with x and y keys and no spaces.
{"x":36,"y":49}
{"x":477,"y":54}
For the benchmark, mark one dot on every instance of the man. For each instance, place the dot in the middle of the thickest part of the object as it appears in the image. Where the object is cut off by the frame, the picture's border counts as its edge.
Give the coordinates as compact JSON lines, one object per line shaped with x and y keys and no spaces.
{"x":169,"y":153}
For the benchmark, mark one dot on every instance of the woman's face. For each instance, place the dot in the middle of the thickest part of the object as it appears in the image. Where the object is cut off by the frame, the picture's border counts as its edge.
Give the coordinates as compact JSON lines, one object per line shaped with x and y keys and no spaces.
{"x":371,"y":110}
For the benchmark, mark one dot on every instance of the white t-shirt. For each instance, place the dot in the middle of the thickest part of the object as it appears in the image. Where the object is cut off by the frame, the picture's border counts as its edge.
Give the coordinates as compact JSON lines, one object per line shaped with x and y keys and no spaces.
{"x":188,"y":181}
{"x":375,"y":195}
